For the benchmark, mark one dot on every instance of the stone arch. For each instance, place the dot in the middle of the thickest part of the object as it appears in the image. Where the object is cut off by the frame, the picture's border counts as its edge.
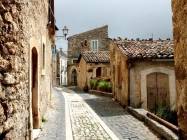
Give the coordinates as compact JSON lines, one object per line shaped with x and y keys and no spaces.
{"x":73,"y":75}
{"x":34,"y":115}
{"x":171,"y":75}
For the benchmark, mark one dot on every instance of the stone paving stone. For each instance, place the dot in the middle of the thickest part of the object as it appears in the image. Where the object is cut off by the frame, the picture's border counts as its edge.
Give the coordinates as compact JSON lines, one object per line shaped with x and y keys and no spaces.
{"x":124,"y":125}
{"x":54,"y":128}
{"x":84,"y":125}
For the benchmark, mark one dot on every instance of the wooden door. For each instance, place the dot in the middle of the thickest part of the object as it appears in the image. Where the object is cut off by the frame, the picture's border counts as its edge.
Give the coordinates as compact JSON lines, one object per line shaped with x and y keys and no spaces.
{"x":163,"y":88}
{"x":151,"y":91}
{"x":157,"y":90}
{"x":98,"y":72}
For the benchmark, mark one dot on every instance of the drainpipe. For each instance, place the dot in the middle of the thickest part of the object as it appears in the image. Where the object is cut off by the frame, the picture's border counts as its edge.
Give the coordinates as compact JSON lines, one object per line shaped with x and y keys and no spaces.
{"x":165,"y":123}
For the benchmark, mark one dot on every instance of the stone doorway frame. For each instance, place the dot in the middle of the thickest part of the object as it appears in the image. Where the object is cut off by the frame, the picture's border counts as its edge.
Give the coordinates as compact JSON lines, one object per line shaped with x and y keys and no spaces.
{"x":74,"y":75}
{"x":34,"y":123}
{"x":172,"y":90}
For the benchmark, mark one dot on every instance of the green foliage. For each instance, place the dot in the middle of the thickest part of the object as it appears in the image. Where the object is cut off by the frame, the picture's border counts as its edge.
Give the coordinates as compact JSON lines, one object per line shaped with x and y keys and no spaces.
{"x":108,"y":85}
{"x":41,"y":128}
{"x":102,"y":85}
{"x":94,"y":83}
{"x":163,"y":111}
{"x":139,"y":105}
{"x":44,"y":119}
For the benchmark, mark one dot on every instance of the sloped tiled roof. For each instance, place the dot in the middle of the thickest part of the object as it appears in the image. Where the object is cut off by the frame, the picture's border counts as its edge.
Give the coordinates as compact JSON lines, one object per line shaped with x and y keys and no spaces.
{"x":96,"y":56}
{"x":146,"y":49}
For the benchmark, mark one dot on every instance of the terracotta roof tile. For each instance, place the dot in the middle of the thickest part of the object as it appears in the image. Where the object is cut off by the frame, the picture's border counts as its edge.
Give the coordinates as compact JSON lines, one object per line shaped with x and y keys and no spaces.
{"x":144,"y":49}
{"x":96,"y":56}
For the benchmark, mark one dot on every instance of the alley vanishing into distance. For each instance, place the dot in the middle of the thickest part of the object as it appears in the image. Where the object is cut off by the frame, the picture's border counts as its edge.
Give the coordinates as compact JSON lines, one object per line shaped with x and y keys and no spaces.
{"x":76,"y":115}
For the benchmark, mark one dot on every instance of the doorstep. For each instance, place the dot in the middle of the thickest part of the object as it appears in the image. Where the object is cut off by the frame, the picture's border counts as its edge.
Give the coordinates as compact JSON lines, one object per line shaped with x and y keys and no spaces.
{"x":36,"y":133}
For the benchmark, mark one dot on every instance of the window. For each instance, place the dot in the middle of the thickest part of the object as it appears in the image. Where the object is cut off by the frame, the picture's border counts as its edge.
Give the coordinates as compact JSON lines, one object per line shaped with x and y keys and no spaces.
{"x":94,"y":45}
{"x":43,"y":59}
{"x":74,"y":61}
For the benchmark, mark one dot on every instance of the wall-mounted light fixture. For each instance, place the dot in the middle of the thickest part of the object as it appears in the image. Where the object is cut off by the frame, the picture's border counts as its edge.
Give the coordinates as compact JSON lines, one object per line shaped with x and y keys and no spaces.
{"x":65,"y":32}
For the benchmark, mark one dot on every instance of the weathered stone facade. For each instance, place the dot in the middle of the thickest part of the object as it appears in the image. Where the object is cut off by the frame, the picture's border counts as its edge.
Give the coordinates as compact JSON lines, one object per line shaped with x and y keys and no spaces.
{"x":129,"y":70}
{"x":25,"y":73}
{"x":74,"y":42}
{"x":180,"y":43}
{"x":119,"y":88}
{"x":75,"y":47}
{"x":87,"y":70}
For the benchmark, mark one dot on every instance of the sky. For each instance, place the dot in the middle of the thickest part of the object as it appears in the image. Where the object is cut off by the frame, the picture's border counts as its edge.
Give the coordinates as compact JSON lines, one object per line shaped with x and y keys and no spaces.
{"x":125,"y":18}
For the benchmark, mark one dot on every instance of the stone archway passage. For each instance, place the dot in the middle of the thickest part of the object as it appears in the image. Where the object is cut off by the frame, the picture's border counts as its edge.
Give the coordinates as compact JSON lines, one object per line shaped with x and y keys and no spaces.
{"x":34,"y":88}
{"x":74,"y":77}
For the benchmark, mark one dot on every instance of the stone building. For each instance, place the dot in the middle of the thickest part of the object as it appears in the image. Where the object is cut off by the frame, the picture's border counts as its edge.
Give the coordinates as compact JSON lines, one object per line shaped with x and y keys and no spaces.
{"x":27,"y":28}
{"x":143,"y":71}
{"x":96,"y":40}
{"x":92,"y":64}
{"x":180,"y":49}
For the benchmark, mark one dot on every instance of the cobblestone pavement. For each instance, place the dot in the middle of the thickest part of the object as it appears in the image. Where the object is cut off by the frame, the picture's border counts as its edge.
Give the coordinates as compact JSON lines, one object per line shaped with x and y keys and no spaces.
{"x":124,"y":126}
{"x":91,"y":117}
{"x":54,"y":128}
{"x":84,"y":122}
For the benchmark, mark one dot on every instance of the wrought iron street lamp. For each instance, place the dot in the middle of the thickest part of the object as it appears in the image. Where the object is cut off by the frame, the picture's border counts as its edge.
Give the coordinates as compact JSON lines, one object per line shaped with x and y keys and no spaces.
{"x":65,"y":32}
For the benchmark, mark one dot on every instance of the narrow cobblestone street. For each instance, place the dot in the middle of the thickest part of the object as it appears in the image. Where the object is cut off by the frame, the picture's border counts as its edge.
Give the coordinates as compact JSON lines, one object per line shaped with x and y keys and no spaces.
{"x":54,"y":128}
{"x":90,"y":117}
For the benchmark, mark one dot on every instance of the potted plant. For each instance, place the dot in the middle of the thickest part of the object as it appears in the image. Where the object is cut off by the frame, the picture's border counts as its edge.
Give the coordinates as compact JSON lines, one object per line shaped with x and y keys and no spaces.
{"x":108,"y":86}
{"x":94,"y":83}
{"x":85,"y":88}
{"x":102,"y":85}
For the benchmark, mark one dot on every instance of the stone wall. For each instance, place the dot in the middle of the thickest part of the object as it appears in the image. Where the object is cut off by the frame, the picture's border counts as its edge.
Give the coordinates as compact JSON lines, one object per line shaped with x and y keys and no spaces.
{"x":180,"y":34}
{"x":84,"y":76}
{"x":75,"y":47}
{"x":130,"y":86}
{"x":74,"y":42}
{"x":138,"y":81}
{"x":22,"y":28}
{"x":119,"y":89}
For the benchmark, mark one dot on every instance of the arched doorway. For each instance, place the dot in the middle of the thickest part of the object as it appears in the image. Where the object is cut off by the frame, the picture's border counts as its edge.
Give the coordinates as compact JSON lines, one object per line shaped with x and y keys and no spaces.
{"x":157,"y":90}
{"x":34,"y":88}
{"x":98,"y":72}
{"x":74,"y":77}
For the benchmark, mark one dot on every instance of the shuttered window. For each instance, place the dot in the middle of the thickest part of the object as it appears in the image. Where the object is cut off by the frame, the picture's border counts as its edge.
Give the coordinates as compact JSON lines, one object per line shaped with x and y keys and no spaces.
{"x":94,"y":45}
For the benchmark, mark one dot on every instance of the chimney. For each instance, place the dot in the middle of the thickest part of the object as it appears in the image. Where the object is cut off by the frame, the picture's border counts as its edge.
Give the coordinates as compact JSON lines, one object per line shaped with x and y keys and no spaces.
{"x":85,"y":45}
